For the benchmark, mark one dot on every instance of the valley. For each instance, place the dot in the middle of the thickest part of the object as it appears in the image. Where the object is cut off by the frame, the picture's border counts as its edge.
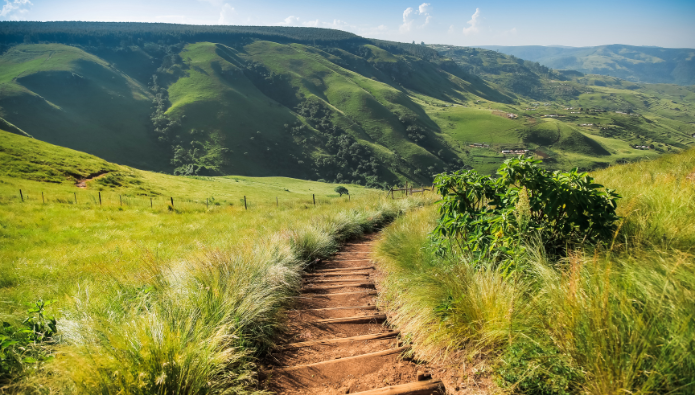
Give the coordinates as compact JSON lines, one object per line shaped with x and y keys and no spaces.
{"x":291,"y":102}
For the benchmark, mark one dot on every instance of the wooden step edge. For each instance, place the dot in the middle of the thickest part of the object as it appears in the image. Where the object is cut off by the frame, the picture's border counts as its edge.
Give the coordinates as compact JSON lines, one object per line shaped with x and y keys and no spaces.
{"x":336,"y":308}
{"x":346,"y":280}
{"x":378,"y":336}
{"x":342,"y":269}
{"x":390,"y":351}
{"x":336,"y":294}
{"x":336,"y":274}
{"x":428,"y":387}
{"x":356,"y":285}
{"x":350,"y":320}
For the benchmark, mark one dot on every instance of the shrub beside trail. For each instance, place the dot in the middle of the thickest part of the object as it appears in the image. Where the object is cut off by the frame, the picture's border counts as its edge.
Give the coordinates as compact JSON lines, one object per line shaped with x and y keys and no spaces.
{"x":608,"y":316}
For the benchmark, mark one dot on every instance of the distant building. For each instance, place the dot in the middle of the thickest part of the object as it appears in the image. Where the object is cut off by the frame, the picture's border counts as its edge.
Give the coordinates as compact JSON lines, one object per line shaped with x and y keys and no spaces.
{"x":516,"y":151}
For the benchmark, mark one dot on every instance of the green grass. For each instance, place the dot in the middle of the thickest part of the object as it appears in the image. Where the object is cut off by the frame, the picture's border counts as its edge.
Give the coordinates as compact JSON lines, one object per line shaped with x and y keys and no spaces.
{"x":605,"y":321}
{"x":78,"y":100}
{"x":180,"y":299}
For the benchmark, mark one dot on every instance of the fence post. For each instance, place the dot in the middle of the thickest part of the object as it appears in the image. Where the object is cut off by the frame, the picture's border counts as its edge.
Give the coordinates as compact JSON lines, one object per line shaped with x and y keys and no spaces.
{"x":75,"y":193}
{"x":245,"y":206}
{"x":313,"y":196}
{"x":207,"y":203}
{"x":348,"y":197}
{"x":172,"y":201}
{"x":20,"y":195}
{"x":100,"y":198}
{"x":42,"y":198}
{"x":150,"y":202}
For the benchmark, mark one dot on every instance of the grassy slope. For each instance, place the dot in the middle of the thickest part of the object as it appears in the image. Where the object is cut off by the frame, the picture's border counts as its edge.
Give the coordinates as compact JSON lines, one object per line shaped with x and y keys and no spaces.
{"x":216,"y":97}
{"x":37,"y":167}
{"x":596,"y":323}
{"x":78,"y":100}
{"x":373,"y":106}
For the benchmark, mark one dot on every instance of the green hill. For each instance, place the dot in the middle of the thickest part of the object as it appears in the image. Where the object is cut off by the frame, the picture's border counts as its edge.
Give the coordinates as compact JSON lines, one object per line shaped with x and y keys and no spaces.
{"x":39,"y":168}
{"x":632,"y":63}
{"x":314,"y":103}
{"x":64,"y":95}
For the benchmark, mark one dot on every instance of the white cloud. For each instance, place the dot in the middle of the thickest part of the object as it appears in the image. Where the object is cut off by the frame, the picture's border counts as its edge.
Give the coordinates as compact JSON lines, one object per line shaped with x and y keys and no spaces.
{"x":411,"y":15}
{"x":311,"y":23}
{"x":226,"y":14}
{"x":425,"y":8}
{"x":474,"y":24}
{"x":11,"y":7}
{"x":451,"y":29}
{"x":290,"y":21}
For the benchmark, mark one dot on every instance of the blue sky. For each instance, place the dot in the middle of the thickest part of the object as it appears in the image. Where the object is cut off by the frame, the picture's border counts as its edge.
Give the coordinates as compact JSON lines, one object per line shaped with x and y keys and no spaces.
{"x":666,"y":23}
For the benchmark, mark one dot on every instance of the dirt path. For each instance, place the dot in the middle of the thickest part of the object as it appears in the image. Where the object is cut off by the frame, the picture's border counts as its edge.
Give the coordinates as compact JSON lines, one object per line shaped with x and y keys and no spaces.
{"x":338,"y":343}
{"x":83,"y":182}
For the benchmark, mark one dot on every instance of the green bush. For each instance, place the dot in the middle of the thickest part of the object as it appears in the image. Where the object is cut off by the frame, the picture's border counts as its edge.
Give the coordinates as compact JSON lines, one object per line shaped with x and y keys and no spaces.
{"x":493,"y":217}
{"x":23,"y":348}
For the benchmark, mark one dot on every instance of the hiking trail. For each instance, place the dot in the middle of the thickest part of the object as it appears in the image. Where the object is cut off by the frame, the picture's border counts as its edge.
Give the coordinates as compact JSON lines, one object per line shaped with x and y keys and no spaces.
{"x":337,"y":341}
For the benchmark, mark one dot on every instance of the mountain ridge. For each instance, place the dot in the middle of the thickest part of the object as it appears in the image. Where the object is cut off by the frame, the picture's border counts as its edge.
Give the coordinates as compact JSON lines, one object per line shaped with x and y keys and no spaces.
{"x":648,"y":64}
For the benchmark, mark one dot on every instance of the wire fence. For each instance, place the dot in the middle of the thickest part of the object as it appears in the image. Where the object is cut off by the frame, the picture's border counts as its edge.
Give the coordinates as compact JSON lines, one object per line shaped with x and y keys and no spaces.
{"x":95,"y":199}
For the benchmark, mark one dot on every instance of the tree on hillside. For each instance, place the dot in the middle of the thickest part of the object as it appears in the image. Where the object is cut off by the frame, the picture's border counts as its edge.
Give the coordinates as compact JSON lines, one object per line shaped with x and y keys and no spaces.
{"x":342,"y":190}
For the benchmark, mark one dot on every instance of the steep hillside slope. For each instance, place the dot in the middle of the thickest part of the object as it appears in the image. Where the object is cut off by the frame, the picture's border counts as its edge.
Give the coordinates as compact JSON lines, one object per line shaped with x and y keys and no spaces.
{"x":632,"y":63}
{"x":63,"y":95}
{"x":36,"y":166}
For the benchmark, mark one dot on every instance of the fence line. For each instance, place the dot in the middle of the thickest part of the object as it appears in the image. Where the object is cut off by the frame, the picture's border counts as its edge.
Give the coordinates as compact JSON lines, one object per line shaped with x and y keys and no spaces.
{"x":169,"y":203}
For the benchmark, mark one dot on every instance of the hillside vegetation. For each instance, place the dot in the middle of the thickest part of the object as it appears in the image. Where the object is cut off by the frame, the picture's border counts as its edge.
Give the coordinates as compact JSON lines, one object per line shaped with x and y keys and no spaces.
{"x":314,"y":103}
{"x":608,"y":316}
{"x":632,"y":63}
{"x":134,"y":295}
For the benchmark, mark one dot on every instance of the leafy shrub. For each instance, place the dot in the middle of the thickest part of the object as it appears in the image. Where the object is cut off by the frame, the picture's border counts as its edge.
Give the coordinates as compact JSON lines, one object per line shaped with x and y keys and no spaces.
{"x":22,"y":348}
{"x":493,"y":217}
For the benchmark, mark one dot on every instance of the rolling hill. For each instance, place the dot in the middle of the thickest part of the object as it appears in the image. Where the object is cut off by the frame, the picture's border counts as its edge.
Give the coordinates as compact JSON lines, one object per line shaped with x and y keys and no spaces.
{"x":316,"y":104}
{"x":632,"y":63}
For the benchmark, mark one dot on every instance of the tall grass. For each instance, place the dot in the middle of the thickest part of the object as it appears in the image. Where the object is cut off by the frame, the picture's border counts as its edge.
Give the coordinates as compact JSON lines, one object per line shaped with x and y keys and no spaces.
{"x":601,"y":321}
{"x":191,"y":320}
{"x":658,"y":200}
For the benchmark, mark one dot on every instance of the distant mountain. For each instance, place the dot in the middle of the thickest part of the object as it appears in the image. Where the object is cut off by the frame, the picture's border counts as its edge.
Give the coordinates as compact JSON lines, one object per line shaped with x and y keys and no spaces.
{"x":637,"y":64}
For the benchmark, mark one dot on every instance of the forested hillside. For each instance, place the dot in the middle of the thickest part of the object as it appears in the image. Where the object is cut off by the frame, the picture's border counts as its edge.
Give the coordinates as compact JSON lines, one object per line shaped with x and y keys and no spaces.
{"x":316,"y":104}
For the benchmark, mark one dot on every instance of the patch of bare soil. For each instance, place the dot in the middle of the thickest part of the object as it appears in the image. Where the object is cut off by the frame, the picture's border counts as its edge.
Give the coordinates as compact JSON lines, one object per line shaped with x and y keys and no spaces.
{"x":83,"y":182}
